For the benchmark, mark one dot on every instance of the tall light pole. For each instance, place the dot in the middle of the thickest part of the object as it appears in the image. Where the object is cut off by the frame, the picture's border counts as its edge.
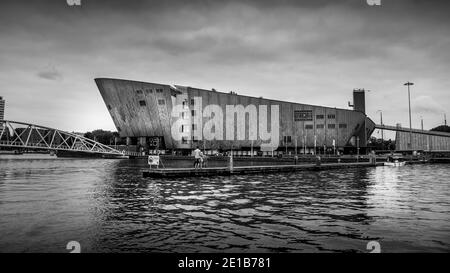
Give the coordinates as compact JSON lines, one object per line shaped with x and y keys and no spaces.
{"x":304,"y":144}
{"x":315,"y":144}
{"x":421,"y":122}
{"x":382,"y":133}
{"x":357,"y":148}
{"x":295,"y":145}
{"x":409,"y":102}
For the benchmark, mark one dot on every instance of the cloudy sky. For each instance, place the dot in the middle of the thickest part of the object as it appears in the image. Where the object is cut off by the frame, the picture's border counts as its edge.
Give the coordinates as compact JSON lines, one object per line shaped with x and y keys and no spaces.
{"x":313,"y":52}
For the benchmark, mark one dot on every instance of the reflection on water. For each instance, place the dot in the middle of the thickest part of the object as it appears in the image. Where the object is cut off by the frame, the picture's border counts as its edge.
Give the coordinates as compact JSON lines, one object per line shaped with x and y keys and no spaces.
{"x":107,"y":206}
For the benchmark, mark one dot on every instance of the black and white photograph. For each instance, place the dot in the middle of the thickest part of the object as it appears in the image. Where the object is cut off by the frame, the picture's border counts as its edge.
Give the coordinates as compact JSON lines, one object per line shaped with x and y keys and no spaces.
{"x":234,"y":128}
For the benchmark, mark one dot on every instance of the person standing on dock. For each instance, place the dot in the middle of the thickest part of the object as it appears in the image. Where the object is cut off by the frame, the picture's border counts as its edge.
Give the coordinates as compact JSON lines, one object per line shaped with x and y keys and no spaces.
{"x":198,"y":157}
{"x":318,"y":161}
{"x":373,"y":158}
{"x":202,"y":160}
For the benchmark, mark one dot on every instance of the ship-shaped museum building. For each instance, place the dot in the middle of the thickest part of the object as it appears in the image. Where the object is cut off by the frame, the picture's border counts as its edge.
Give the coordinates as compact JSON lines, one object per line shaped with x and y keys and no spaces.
{"x":177,"y":119}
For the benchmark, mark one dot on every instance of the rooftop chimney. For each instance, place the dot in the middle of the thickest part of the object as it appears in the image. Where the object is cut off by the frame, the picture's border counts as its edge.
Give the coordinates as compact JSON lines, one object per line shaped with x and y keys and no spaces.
{"x":359,"y":100}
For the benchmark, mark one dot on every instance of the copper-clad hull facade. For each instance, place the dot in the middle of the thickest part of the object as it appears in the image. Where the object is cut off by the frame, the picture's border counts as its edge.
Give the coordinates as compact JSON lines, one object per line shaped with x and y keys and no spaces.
{"x":142,"y":112}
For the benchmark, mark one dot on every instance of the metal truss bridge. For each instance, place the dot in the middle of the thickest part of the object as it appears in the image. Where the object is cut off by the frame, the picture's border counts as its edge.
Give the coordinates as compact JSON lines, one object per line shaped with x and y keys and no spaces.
{"x":414,"y":131}
{"x":20,"y":135}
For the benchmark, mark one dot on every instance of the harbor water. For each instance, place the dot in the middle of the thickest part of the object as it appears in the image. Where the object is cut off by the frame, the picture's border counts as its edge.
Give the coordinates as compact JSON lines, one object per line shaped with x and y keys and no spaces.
{"x":107,"y":206}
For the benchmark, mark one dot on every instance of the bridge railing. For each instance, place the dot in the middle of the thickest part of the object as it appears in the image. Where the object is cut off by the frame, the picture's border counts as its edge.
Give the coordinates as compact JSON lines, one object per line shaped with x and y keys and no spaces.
{"x":55,"y":147}
{"x":414,"y":131}
{"x":31,"y":136}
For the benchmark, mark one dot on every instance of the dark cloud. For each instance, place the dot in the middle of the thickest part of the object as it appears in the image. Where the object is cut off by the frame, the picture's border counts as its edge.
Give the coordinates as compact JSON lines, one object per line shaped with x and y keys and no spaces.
{"x":50,"y":73}
{"x":313,"y":51}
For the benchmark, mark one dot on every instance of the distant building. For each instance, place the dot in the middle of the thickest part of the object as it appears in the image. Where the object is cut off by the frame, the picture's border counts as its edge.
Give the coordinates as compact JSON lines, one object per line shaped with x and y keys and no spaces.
{"x":2,"y":108}
{"x":2,"y":111}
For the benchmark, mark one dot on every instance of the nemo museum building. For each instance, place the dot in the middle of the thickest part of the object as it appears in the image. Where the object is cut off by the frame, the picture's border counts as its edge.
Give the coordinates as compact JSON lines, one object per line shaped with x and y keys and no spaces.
{"x":177,"y":119}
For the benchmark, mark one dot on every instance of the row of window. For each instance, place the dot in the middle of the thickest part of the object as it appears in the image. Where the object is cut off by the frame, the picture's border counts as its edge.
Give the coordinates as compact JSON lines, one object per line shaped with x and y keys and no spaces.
{"x":143,"y":103}
{"x":307,"y":115}
{"x":322,"y":126}
{"x":149,"y":91}
{"x":330,"y":116}
{"x":183,"y":127}
{"x":309,"y":126}
{"x":185,"y":102}
{"x":184,"y":140}
{"x":287,"y":139}
{"x":183,"y":114}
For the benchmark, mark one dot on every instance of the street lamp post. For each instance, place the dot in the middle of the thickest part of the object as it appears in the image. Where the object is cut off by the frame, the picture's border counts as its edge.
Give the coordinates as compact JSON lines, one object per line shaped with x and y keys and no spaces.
{"x":304,"y":144}
{"x":382,"y":132}
{"x":295,"y":145}
{"x":409,"y":102}
{"x":315,"y":144}
{"x":357,"y":148}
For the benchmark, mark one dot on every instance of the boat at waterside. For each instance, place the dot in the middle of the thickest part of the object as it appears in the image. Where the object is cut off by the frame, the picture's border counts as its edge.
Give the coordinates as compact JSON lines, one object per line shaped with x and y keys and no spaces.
{"x":11,"y":152}
{"x":395,"y":161}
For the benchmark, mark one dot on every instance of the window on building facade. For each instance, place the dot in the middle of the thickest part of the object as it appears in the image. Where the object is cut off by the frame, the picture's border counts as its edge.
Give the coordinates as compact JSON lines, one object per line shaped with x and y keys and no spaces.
{"x":148,"y":91}
{"x":142,"y":103}
{"x":343,"y":126}
{"x":139,"y":92}
{"x":303,"y":115}
{"x":331,"y":116}
{"x":193,"y":112}
{"x":320,"y":116}
{"x":320,"y":126}
{"x":331,"y":126}
{"x":161,"y":102}
{"x":109,"y":107}
{"x":309,"y":126}
{"x":287,"y":139}
{"x":192,"y":102}
{"x":184,"y":140}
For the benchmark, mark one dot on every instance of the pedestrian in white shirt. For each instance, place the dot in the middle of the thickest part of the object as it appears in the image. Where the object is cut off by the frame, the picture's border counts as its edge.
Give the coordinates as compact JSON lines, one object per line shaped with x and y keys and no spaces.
{"x":198,"y":157}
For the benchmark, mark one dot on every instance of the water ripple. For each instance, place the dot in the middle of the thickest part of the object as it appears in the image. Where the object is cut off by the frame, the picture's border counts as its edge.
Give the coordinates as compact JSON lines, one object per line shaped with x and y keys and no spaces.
{"x":107,"y":206}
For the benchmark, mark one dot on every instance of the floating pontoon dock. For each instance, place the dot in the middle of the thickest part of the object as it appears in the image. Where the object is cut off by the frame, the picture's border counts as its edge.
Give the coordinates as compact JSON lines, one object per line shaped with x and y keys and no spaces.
{"x":241,"y":170}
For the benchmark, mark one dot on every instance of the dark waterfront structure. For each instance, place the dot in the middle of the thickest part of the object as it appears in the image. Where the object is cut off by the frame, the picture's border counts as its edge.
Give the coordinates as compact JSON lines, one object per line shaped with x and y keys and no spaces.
{"x":142,"y":112}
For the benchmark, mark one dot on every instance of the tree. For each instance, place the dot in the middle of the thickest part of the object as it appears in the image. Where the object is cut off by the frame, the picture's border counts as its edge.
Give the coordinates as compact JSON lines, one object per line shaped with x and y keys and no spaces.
{"x":378,"y":144}
{"x":104,"y":137}
{"x":442,"y":128}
